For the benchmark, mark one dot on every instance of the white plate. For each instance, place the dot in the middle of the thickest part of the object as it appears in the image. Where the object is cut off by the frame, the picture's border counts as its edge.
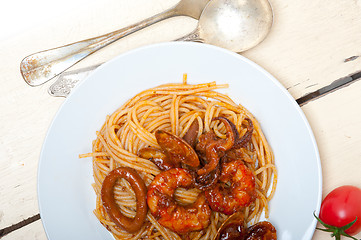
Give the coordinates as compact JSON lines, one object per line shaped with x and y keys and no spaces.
{"x":66,"y":198}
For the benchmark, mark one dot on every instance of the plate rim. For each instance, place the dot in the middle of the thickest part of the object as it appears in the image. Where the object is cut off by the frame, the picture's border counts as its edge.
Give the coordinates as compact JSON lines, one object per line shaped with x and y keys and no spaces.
{"x":242,"y":58}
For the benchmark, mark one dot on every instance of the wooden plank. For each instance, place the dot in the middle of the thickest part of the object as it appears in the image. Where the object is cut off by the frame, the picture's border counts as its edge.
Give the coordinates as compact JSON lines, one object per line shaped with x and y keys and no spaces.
{"x":336,"y":122}
{"x":22,"y":133}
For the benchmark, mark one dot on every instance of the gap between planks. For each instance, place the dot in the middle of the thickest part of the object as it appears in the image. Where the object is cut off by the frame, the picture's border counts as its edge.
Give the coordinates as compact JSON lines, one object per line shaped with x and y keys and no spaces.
{"x":335,"y":85}
{"x":14,"y":227}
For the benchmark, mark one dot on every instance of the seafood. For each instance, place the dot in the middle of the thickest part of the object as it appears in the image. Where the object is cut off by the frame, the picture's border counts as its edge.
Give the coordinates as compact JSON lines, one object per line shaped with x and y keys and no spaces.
{"x":228,"y":184}
{"x":188,"y":143}
{"x":129,"y":224}
{"x":167,"y":211}
{"x":240,"y":193}
{"x":241,"y":142}
{"x":207,"y":181}
{"x":177,"y":149}
{"x":174,"y":150}
{"x":235,"y":228}
{"x":237,"y":150}
{"x":191,"y":135}
{"x":213,"y":147}
{"x":262,"y":231}
{"x":158,"y":157}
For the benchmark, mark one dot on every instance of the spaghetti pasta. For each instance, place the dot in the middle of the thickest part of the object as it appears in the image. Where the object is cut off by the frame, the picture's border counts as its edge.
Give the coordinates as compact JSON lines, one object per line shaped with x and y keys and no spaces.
{"x":173,"y":108}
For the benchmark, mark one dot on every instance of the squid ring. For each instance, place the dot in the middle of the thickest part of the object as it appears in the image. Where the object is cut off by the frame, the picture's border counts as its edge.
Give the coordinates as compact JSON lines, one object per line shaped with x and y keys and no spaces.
{"x":130,"y":225}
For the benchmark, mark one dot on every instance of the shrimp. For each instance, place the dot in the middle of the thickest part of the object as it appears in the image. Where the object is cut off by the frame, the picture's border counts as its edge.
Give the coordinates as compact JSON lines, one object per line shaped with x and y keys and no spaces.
{"x":178,"y":218}
{"x":240,"y":193}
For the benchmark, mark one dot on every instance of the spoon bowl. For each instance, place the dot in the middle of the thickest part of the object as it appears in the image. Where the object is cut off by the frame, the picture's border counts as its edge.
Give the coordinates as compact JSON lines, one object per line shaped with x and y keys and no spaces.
{"x":236,"y":25}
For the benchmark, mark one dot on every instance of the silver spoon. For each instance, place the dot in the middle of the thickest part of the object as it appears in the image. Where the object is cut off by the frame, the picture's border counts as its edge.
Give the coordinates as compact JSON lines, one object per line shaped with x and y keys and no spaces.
{"x":40,"y":67}
{"x":237,"y":25}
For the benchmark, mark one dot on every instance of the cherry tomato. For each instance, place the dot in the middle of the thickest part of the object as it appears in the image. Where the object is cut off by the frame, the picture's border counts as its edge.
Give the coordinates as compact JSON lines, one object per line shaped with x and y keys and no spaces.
{"x":341,"y":206}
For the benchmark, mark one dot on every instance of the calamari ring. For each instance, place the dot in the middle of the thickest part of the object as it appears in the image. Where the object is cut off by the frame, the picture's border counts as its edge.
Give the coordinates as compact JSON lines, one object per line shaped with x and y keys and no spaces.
{"x":130,"y":225}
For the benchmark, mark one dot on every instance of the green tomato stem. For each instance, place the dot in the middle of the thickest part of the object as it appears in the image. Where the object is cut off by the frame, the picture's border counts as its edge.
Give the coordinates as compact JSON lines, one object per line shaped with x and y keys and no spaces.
{"x":336,"y":231}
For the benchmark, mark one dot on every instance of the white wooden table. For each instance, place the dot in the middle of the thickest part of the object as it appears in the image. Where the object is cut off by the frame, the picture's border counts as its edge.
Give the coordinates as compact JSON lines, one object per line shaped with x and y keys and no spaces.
{"x":312,"y":44}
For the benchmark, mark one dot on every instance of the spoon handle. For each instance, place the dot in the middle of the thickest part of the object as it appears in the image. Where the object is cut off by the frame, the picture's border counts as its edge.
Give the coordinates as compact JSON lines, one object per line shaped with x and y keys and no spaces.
{"x":40,"y":67}
{"x":192,"y":37}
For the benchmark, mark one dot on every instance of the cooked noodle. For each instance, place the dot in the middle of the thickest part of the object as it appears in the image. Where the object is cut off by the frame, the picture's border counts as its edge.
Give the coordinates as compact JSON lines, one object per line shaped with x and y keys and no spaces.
{"x":173,"y":108}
